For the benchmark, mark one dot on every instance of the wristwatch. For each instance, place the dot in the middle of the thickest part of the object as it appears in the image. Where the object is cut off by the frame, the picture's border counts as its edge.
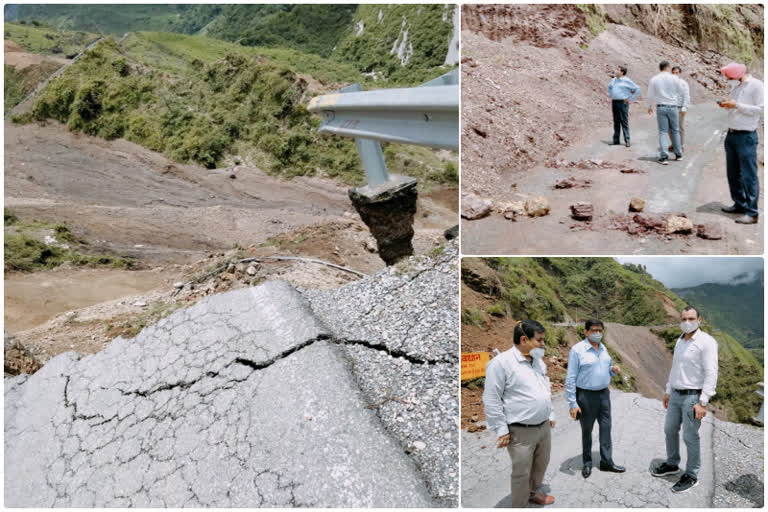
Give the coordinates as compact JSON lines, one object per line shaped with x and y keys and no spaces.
{"x":703,"y":403}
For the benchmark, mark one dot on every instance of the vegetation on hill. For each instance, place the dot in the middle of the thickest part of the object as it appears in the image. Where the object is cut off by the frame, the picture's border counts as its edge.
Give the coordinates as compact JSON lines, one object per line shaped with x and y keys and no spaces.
{"x":736,"y":309}
{"x":198,"y":99}
{"x":45,"y":40}
{"x":101,"y":19}
{"x":738,"y":374}
{"x":34,"y":245}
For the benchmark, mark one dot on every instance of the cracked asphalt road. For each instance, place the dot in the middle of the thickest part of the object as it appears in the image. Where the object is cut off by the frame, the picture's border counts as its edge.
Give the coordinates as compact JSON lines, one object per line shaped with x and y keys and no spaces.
{"x":638,"y":442}
{"x":254,"y":398}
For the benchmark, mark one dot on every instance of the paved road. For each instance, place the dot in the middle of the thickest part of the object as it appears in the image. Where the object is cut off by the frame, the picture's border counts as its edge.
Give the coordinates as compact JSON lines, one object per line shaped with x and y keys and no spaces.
{"x":638,"y":441}
{"x":696,"y":186}
{"x":249,"y":399}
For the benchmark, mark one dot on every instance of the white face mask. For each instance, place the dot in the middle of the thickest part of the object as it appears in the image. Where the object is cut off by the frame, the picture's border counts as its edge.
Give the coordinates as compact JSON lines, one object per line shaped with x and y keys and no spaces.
{"x":596,"y":337}
{"x":734,"y":83}
{"x":689,"y":327}
{"x":537,"y":353}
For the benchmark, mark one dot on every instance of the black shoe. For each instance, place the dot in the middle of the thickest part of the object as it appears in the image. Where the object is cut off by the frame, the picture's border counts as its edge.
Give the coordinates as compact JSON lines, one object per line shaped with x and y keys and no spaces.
{"x":615,"y":143}
{"x":611,"y":467}
{"x":665,"y":469}
{"x":678,"y":158}
{"x":586,"y":470}
{"x":732,"y":209}
{"x":746,"y":219}
{"x":663,"y":160}
{"x":686,"y":482}
{"x":627,"y":144}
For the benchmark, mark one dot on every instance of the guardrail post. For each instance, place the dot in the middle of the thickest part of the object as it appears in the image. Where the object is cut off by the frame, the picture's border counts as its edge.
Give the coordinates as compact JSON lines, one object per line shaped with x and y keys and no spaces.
{"x":760,"y":391}
{"x":426,"y":115}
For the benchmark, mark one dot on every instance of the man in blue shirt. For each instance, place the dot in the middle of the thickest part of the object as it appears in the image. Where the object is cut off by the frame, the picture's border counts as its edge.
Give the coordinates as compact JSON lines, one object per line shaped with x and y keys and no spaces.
{"x":586,"y":390}
{"x":622,"y":91}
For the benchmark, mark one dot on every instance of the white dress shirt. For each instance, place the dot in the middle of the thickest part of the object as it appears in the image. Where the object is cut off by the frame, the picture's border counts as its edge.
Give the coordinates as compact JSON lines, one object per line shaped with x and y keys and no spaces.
{"x":694,"y":365}
{"x":664,"y":89}
{"x":684,"y":101}
{"x":516,"y":391}
{"x":749,"y":105}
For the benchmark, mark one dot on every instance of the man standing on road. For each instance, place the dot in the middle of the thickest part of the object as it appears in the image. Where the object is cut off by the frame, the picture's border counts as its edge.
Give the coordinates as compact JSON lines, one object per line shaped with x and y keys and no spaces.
{"x":691,"y":384}
{"x":744,"y":110}
{"x":683,"y":102}
{"x":622,"y":91}
{"x":586,"y":390}
{"x":518,"y":407}
{"x":663,"y":91}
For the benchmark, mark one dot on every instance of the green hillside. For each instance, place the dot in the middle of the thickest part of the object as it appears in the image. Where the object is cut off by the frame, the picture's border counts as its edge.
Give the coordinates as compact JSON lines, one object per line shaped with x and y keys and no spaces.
{"x":421,"y":32}
{"x":554,"y":290}
{"x":737,"y":309}
{"x":199,"y":99}
{"x":47,"y":40}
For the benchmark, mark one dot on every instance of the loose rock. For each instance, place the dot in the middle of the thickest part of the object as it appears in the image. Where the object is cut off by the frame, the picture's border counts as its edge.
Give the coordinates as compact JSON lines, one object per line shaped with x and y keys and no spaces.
{"x":536,"y":206}
{"x":474,"y":207}
{"x":251,"y":270}
{"x":709,"y":231}
{"x":572,"y":182}
{"x":677,"y":224}
{"x":582,"y":211}
{"x":636,"y":205}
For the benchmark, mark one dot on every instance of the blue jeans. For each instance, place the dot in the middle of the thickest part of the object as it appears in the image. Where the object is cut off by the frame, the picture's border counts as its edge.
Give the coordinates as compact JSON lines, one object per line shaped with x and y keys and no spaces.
{"x":741,"y":162}
{"x":668,"y":121}
{"x":680,"y":411}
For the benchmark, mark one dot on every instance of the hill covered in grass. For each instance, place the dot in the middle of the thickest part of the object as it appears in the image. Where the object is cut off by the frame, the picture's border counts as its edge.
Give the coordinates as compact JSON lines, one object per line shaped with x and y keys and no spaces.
{"x":397,"y":42}
{"x":497,"y":292}
{"x":216,"y":103}
{"x":734,"y":308}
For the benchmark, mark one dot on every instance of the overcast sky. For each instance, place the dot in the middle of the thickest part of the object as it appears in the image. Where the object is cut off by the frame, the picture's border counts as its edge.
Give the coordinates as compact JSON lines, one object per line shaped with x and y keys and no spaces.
{"x":683,"y":272}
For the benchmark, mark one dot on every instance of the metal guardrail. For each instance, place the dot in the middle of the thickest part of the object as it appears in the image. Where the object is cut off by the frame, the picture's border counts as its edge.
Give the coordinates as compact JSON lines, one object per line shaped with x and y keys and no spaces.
{"x":427,"y":115}
{"x":760,"y":391}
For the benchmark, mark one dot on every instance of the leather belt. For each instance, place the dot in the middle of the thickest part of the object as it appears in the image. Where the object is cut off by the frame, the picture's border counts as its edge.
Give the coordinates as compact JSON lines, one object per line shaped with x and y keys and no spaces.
{"x":663,"y":105}
{"x":731,"y":130}
{"x":524,"y":425}
{"x":687,"y":391}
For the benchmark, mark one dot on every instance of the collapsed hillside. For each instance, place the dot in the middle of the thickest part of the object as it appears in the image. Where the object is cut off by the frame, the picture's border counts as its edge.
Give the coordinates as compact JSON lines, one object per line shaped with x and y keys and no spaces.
{"x":534,"y":76}
{"x":562,"y":293}
{"x":338,"y":382}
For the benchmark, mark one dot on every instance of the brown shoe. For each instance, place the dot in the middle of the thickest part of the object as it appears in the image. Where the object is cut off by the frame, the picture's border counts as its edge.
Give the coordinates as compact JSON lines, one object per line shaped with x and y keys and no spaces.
{"x":541,"y":499}
{"x":746,"y":219}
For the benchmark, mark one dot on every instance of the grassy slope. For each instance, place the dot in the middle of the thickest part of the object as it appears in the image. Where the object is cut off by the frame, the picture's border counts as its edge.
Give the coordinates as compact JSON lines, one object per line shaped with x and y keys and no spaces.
{"x":25,"y":248}
{"x":106,"y":19}
{"x":551,"y":289}
{"x":199,"y":99}
{"x":47,"y":40}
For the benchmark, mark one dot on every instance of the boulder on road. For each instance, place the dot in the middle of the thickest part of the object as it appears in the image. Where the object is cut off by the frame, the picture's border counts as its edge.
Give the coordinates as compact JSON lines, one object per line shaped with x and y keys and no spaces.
{"x":474,"y":207}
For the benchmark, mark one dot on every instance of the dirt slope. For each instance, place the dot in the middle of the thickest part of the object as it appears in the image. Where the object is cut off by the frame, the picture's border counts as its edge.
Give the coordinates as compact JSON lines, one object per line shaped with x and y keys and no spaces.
{"x":534,"y":82}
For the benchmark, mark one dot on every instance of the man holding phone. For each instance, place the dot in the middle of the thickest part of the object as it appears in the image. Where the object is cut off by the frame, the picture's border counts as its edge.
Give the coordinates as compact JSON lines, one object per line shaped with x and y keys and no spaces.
{"x":691,"y":385}
{"x":744,"y":111}
{"x":590,"y":370}
{"x":518,"y":407}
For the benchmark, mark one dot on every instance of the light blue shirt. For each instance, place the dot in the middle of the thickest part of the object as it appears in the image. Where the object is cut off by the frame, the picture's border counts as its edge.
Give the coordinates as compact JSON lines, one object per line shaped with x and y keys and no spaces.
{"x":623,"y":88}
{"x":587,"y":369}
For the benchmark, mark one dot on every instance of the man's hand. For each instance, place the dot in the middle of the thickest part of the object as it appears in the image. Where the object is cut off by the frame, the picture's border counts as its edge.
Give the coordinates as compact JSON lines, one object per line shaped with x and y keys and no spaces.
{"x":626,"y":100}
{"x":574,"y":411}
{"x":552,"y":423}
{"x":502,"y":441}
{"x":666,"y":401}
{"x":699,"y":411}
{"x":727,"y":103}
{"x":616,"y":369}
{"x":650,"y":111}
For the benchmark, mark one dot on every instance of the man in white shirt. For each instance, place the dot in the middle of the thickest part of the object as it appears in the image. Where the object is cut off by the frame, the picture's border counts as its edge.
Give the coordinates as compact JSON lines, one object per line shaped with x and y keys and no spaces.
{"x":518,"y":407}
{"x":744,"y":111}
{"x":663,"y":91}
{"x":691,"y":385}
{"x":683,"y":102}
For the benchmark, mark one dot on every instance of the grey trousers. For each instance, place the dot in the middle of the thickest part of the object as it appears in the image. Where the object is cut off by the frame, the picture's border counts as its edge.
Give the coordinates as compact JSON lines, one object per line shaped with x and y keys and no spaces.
{"x":529,"y":449}
{"x":595,"y":405}
{"x":680,"y":412}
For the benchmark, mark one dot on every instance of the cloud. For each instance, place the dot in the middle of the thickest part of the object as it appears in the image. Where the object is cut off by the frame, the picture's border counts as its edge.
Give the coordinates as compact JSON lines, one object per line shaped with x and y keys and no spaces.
{"x":684,"y":272}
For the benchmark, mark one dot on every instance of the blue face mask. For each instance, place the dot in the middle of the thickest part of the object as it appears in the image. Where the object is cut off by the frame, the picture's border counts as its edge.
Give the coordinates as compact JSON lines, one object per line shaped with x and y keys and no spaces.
{"x":596,"y":337}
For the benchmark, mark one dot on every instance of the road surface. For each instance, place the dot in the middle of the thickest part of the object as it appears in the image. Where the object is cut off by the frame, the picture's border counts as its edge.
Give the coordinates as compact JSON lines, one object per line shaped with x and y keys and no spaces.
{"x":696,"y":186}
{"x":638,"y":442}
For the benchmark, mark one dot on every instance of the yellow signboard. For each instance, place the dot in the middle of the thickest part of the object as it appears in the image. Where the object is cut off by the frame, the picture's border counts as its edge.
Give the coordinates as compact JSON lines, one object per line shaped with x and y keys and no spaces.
{"x":473,"y":364}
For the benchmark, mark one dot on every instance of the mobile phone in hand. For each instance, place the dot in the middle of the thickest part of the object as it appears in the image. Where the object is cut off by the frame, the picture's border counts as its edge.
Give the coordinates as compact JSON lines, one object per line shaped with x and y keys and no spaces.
{"x":578,"y":415}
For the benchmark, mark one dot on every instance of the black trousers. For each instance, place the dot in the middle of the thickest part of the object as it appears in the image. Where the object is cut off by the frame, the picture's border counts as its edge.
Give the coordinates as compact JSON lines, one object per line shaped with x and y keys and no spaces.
{"x":620,"y":120}
{"x":595,"y":405}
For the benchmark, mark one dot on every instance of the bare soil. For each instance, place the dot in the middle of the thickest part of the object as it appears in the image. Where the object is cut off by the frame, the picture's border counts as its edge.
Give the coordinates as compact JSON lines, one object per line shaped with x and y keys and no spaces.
{"x":15,"y":56}
{"x":179,"y":222}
